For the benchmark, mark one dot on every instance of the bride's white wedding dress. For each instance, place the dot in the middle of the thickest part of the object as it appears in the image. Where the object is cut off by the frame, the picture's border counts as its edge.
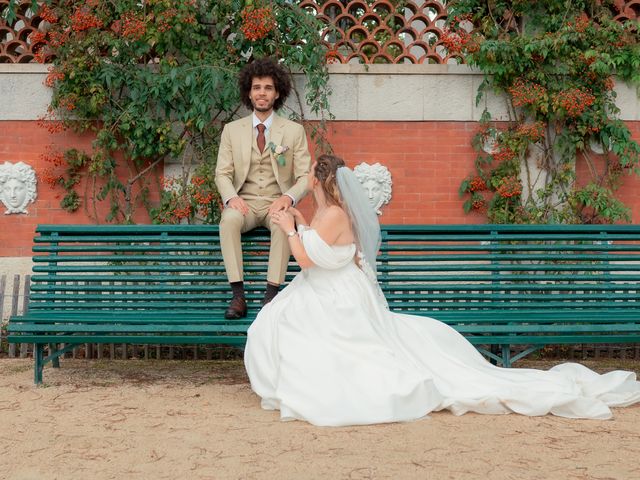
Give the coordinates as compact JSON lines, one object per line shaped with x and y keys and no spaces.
{"x":328,"y":351}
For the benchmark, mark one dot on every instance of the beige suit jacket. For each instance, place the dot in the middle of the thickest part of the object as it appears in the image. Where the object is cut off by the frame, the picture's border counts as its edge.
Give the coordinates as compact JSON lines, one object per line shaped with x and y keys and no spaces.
{"x":234,"y":157}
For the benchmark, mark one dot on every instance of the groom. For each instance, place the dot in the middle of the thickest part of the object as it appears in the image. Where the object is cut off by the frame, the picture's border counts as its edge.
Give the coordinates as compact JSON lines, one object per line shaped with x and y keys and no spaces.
{"x":262,"y":165}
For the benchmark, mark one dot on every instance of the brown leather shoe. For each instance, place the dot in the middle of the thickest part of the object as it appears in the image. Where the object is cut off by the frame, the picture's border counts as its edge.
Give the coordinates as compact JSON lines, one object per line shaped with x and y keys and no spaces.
{"x":237,"y":308}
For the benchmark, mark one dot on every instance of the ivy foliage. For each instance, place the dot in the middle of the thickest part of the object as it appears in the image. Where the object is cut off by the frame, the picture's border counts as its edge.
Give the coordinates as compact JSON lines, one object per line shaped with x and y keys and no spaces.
{"x":154,"y":83}
{"x":556,"y":62}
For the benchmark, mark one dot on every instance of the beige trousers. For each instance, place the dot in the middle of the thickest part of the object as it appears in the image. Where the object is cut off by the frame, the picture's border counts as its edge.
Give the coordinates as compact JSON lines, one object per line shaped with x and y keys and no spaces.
{"x":233,"y":224}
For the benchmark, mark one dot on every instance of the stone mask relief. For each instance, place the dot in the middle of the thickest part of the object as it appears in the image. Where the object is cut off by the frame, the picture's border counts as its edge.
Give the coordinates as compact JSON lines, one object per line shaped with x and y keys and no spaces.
{"x":17,"y":186}
{"x":376,"y":180}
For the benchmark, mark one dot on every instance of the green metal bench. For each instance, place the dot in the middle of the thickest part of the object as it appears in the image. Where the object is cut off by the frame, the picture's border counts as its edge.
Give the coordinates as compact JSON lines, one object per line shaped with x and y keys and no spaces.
{"x":137,"y":284}
{"x":518,"y":285}
{"x":503,"y":286}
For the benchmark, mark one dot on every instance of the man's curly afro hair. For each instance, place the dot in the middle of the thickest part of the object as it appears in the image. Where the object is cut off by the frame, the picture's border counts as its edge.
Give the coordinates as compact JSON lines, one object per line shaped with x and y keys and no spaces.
{"x":264,"y":67}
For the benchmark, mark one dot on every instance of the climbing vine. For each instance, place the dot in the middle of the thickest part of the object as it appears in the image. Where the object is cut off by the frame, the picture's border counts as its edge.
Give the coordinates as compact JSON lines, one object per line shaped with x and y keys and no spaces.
{"x":153,"y":83}
{"x":556,"y":63}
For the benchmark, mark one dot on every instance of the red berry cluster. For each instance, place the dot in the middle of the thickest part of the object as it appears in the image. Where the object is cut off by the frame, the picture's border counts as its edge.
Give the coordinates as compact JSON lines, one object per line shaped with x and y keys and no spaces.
{"x":510,"y":187}
{"x":130,"y":26}
{"x":196,"y":197}
{"x":179,"y":213}
{"x":332,"y":56}
{"x":67,"y":103}
{"x":42,"y":55}
{"x":455,"y":42}
{"x":477,"y":185}
{"x":480,"y":204}
{"x":202,"y":197}
{"x":198,"y":181}
{"x":50,"y":178}
{"x":189,"y":19}
{"x":47,"y":14}
{"x":37,"y":38}
{"x":51,"y":126}
{"x":504,"y":154}
{"x":82,"y":20}
{"x":257,"y":22}
{"x":524,"y":93}
{"x":581,"y":24}
{"x":163,"y":21}
{"x":56,"y":159}
{"x":57,"y":38}
{"x":573,"y":101}
{"x":50,"y":123}
{"x":53,"y":76}
{"x":533,"y":132}
{"x":167,"y":183}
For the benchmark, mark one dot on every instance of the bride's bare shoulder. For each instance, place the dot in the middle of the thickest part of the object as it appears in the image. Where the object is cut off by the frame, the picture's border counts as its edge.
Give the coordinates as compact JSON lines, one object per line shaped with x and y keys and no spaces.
{"x":337,"y":213}
{"x":333,"y":225}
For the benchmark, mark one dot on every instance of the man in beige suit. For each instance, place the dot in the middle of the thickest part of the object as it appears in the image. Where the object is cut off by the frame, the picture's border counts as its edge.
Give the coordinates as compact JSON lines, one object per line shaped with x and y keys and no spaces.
{"x":262,"y":166}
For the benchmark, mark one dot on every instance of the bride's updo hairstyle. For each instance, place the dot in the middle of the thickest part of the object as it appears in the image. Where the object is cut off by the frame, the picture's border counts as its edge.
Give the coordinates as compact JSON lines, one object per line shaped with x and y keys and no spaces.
{"x":326,"y":167}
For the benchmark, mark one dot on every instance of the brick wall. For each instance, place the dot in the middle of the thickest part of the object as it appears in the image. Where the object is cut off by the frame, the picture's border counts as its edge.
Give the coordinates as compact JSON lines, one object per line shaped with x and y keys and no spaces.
{"x":427,"y":161}
{"x":25,"y":141}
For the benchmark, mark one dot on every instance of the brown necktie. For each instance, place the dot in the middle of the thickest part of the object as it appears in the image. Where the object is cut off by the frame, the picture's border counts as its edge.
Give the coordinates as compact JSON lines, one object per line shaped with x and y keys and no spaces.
{"x":261,"y":140}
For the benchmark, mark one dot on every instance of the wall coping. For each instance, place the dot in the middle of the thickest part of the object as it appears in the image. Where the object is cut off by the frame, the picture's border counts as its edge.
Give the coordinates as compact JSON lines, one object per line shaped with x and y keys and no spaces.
{"x":334,"y":69}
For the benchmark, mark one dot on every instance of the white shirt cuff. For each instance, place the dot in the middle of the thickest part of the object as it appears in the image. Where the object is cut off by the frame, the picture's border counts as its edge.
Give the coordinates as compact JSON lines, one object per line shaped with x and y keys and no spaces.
{"x":293,"y":200}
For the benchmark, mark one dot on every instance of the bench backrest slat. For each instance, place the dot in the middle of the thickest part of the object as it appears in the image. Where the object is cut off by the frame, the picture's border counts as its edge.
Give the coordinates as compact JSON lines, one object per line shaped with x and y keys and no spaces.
{"x":423,"y":267}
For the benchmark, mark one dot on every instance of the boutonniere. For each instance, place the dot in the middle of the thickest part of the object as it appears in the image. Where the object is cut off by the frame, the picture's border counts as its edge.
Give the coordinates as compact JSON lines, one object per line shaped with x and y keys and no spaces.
{"x":278,"y":151}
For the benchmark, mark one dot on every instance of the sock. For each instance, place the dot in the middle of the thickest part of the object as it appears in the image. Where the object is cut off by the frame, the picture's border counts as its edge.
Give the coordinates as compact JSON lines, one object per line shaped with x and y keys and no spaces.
{"x":238,"y":289}
{"x":272,"y":291}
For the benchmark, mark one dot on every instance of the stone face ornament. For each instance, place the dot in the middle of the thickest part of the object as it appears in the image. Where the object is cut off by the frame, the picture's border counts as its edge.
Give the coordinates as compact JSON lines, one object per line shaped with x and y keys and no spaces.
{"x":376,"y":180}
{"x":17,"y":186}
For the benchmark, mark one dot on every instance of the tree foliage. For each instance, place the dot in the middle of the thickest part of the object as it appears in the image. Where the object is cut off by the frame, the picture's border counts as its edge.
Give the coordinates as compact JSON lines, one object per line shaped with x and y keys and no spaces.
{"x":555,"y":63}
{"x":155,"y":82}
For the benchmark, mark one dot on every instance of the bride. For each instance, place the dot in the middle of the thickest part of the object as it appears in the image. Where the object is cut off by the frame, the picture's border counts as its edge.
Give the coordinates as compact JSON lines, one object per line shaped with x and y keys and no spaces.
{"x":328,"y":351}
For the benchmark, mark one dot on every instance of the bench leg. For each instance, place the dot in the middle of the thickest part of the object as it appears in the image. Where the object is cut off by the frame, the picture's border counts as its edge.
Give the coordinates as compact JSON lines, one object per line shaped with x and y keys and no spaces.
{"x":506,"y":356}
{"x":495,"y":349}
{"x":38,"y":361}
{"x":55,"y":362}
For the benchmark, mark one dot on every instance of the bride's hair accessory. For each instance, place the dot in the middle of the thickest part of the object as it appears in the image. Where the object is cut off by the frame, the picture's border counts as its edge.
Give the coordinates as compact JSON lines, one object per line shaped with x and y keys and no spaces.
{"x":363,"y":217}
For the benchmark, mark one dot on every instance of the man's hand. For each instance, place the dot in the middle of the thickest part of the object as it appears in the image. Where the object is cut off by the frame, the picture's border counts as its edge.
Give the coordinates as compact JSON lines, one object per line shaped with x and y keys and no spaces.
{"x":239,"y":204}
{"x":281,"y":204}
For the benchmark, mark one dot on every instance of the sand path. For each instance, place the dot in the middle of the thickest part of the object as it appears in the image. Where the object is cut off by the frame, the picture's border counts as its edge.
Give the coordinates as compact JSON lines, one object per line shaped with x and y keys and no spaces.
{"x":200,"y":420}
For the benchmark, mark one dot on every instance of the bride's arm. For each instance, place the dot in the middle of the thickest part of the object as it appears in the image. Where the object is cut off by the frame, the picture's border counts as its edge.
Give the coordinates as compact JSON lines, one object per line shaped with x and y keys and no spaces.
{"x":333,"y":225}
{"x":286,"y":222}
{"x":298,"y":217}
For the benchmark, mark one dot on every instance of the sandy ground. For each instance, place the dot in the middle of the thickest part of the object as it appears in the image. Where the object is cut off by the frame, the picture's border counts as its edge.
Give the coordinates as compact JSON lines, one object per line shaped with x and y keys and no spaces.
{"x":200,"y":420}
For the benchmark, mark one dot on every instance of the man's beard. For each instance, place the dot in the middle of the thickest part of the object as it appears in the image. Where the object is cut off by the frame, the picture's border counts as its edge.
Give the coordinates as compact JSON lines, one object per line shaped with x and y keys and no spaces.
{"x":263,"y":109}
{"x":268,"y":106}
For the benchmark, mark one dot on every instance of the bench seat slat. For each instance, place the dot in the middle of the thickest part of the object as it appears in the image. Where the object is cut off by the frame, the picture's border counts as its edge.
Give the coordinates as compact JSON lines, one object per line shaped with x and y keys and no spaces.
{"x":118,"y":328}
{"x":176,"y":339}
{"x":114,"y":328}
{"x":181,"y":339}
{"x":449,"y":316}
